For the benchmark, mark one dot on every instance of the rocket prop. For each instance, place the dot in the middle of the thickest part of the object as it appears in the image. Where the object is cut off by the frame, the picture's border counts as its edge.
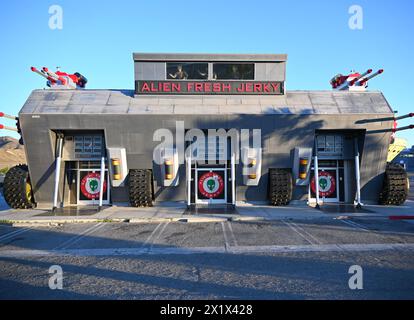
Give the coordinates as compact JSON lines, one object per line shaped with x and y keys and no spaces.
{"x":61,"y":80}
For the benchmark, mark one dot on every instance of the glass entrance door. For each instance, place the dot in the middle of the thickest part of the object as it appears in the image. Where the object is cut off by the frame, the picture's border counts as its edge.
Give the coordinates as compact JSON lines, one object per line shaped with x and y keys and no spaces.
{"x":209,"y":171}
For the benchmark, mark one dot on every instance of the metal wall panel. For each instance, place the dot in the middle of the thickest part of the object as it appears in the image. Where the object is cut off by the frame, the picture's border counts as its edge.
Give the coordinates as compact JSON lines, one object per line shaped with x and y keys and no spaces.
{"x":281,"y":133}
{"x":149,"y":70}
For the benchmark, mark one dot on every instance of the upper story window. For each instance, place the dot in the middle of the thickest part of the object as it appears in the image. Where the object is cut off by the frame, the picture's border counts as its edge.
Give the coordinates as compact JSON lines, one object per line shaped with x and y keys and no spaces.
{"x":233,"y":71}
{"x":330,"y":144}
{"x":187,"y":70}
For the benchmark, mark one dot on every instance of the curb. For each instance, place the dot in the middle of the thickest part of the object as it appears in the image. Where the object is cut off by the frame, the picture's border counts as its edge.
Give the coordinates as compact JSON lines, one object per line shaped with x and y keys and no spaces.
{"x":59,"y":222}
{"x":411,"y":217}
{"x":197,"y":219}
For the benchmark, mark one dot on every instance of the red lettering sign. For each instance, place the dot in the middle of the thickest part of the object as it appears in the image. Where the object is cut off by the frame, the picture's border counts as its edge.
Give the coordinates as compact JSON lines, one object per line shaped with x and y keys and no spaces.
{"x":145,"y":87}
{"x":209,"y":87}
{"x":176,"y":87}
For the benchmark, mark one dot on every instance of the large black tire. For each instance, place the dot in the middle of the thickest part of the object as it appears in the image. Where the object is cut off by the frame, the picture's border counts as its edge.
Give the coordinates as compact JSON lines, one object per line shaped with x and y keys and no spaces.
{"x":17,"y":189}
{"x":395,"y":187}
{"x":140,"y":187}
{"x":280,"y":187}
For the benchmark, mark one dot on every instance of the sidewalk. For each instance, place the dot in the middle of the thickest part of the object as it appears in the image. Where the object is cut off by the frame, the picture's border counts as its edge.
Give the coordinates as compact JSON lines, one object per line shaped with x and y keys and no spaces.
{"x":166,"y":212}
{"x":175,"y":212}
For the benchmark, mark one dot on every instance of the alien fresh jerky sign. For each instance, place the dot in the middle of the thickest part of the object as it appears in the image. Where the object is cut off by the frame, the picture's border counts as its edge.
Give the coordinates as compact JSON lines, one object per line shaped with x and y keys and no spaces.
{"x":209,"y":87}
{"x":327,"y":184}
{"x":211,"y":185}
{"x":90,"y":185}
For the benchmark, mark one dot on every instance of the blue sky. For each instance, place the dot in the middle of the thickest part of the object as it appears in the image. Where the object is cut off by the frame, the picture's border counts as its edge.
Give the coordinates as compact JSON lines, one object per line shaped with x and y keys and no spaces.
{"x":98,"y":38}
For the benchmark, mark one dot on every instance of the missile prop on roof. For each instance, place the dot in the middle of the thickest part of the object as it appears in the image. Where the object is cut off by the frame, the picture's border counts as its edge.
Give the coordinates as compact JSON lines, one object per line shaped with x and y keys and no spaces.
{"x":352,"y":82}
{"x":365,"y":80}
{"x":3,"y":127}
{"x":66,"y":81}
{"x":7,"y":116}
{"x":59,"y":78}
{"x":42,"y":74}
{"x":347,"y":84}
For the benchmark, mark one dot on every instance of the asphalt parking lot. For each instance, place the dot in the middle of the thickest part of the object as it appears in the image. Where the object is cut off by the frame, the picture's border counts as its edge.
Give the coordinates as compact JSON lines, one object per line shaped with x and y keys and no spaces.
{"x":283,"y":259}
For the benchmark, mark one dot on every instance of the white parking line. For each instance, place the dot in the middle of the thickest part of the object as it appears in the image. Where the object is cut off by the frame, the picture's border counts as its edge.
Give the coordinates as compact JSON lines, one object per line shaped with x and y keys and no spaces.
{"x":213,"y":250}
{"x":226,"y":241}
{"x":80,"y":236}
{"x":159,"y":234}
{"x":13,"y":234}
{"x":307,"y":233}
{"x":151,"y":235}
{"x":155,"y":235}
{"x":298,"y":232}
{"x":355,"y":225}
{"x":233,"y":237}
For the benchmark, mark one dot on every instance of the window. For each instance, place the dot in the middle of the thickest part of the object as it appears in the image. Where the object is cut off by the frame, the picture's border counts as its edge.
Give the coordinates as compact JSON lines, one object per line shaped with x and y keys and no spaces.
{"x":233,"y":71}
{"x":88,"y":146}
{"x":187,"y":71}
{"x":330,"y":144}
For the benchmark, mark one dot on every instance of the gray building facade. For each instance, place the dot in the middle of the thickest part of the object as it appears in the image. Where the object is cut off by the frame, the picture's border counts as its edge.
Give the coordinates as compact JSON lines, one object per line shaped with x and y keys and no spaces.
{"x":121,"y":124}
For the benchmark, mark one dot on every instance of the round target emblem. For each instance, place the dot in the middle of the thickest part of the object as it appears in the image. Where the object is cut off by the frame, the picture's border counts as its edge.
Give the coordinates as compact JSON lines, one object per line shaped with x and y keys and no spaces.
{"x":327,"y":184}
{"x":211,"y":185}
{"x":90,"y":185}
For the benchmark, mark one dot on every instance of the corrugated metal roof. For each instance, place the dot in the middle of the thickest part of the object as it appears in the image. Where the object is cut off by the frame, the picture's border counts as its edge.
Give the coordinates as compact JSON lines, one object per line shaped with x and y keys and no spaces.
{"x":123,"y":101}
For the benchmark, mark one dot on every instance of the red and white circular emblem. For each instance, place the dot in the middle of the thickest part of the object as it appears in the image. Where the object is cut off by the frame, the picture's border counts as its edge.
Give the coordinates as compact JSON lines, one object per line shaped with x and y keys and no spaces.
{"x":211,"y":185}
{"x":327,"y":184}
{"x":90,"y":185}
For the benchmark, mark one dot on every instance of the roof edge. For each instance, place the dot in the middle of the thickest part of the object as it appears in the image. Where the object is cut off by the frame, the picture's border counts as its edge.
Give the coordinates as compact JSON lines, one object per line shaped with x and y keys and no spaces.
{"x":142,"y":56}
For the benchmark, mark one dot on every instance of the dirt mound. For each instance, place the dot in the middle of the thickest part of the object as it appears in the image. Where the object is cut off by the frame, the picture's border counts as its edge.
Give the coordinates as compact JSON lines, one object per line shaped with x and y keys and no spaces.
{"x":11,"y":152}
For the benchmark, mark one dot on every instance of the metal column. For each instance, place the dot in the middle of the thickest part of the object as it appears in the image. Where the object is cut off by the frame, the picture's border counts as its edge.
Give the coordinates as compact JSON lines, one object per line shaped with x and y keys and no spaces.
{"x":101,"y":183}
{"x":58,"y":161}
{"x":233,"y":179}
{"x":316,"y":173}
{"x":188,"y":164}
{"x":357,"y":203}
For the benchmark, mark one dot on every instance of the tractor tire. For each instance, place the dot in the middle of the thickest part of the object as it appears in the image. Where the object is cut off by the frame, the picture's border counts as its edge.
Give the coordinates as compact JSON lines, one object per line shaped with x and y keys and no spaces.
{"x":17,"y":189}
{"x":280,"y":187}
{"x":140,"y":187}
{"x":395,"y":187}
